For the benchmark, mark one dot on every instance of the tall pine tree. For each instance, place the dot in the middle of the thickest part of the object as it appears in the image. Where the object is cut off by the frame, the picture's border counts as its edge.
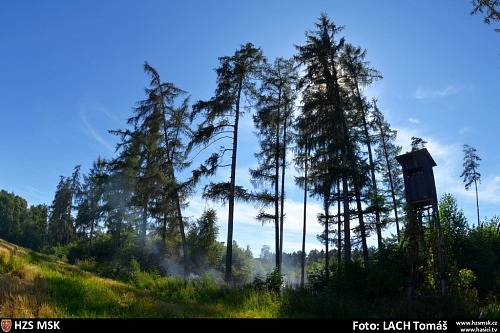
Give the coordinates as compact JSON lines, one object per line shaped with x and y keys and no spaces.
{"x":387,"y":165}
{"x":275,"y":100}
{"x":220,"y":121}
{"x":471,"y":173}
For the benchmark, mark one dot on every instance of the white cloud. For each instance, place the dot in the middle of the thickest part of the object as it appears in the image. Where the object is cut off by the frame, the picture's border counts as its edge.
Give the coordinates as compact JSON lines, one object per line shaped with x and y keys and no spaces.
{"x":414,"y":120}
{"x":448,"y":157}
{"x":488,"y":191}
{"x":248,"y":231}
{"x":296,"y":246}
{"x":427,"y":93}
{"x":435,"y":147}
{"x":120,"y":119}
{"x":245,"y":213}
{"x":92,"y":133}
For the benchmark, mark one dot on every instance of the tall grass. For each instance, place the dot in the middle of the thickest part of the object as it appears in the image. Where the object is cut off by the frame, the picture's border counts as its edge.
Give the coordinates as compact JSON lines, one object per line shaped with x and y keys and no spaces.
{"x":36,"y":285}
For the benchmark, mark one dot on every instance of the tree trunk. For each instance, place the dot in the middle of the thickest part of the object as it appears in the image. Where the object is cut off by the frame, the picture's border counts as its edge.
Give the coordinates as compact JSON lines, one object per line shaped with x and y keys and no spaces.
{"x":344,"y":151}
{"x":182,"y":231}
{"x":477,"y":204}
{"x":143,"y":226}
{"x":391,"y":183}
{"x":180,"y":221}
{"x":303,"y":261}
{"x":412,"y":249}
{"x":283,"y":168}
{"x":164,"y":230}
{"x":91,"y":235}
{"x":277,"y":232}
{"x":361,"y":224}
{"x":334,"y":95}
{"x":372,"y":169}
{"x":339,"y":228}
{"x":119,"y":234}
{"x":394,"y":203}
{"x":170,"y":172}
{"x":347,"y":224}
{"x":327,"y":237}
{"x":440,"y":251}
{"x":229,"y":244}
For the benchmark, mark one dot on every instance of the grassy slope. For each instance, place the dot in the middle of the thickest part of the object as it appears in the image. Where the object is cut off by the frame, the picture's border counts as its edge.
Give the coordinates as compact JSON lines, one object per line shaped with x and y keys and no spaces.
{"x":36,"y":285}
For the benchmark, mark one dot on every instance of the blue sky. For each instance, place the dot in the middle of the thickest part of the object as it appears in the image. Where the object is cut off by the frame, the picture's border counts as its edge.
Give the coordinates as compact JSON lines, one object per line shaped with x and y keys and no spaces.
{"x":71,"y":70}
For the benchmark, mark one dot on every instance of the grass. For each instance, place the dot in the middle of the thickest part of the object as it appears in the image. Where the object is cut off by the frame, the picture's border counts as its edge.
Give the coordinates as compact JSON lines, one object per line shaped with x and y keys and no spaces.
{"x":37,"y":285}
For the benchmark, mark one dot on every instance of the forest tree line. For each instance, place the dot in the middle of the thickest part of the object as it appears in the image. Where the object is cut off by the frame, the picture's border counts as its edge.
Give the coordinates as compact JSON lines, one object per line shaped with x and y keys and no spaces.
{"x":310,"y":113}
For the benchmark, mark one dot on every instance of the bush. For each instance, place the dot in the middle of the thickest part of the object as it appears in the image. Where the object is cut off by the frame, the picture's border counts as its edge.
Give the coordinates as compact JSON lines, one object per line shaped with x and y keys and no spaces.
{"x":274,"y":281}
{"x":60,"y":251}
{"x":466,"y":278}
{"x":258,"y":283}
{"x":110,"y":258}
{"x":88,"y":264}
{"x":76,"y":251}
{"x":481,"y":255}
{"x":316,"y":275}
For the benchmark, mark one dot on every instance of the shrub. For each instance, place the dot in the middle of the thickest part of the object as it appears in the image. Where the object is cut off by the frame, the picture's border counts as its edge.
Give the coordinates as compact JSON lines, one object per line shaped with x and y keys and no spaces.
{"x":316,"y":275}
{"x":258,"y":283}
{"x":88,"y":264}
{"x":466,"y":278}
{"x":274,"y":281}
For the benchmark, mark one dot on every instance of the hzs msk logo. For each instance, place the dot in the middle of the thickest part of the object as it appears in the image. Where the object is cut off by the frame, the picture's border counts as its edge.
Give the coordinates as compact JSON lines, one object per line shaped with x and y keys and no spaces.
{"x":6,"y":325}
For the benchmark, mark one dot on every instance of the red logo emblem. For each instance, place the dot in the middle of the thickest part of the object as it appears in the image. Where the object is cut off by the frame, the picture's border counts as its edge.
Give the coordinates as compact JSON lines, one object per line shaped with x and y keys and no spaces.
{"x":6,"y":325}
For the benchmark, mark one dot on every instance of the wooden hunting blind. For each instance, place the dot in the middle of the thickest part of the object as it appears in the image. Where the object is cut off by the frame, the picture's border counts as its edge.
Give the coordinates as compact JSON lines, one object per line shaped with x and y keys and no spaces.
{"x":420,"y":187}
{"x":420,"y":191}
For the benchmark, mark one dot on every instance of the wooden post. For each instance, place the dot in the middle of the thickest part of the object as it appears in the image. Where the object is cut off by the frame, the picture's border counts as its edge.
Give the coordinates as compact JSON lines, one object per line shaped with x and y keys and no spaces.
{"x":412,"y":234}
{"x":440,"y":252}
